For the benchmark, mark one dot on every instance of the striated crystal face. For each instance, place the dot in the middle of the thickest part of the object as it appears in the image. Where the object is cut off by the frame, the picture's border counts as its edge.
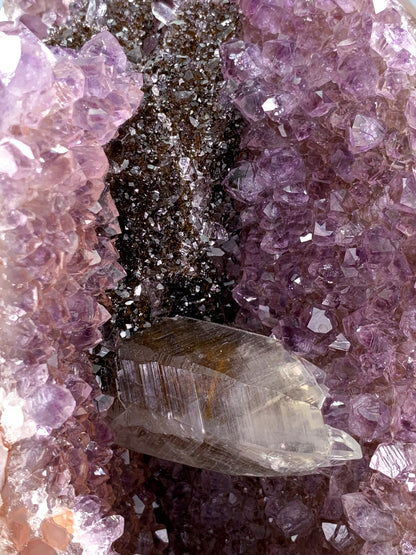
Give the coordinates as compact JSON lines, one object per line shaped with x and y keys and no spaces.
{"x":223,"y":399}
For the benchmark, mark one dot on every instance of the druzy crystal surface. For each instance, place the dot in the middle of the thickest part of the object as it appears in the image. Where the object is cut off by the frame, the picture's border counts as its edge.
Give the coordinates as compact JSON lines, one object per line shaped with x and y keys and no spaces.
{"x":327,"y":198}
{"x":223,"y":399}
{"x":58,"y":107}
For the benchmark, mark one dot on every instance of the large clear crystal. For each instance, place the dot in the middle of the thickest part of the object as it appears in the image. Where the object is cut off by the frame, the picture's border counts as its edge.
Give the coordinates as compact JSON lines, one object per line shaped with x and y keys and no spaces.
{"x":224,"y":399}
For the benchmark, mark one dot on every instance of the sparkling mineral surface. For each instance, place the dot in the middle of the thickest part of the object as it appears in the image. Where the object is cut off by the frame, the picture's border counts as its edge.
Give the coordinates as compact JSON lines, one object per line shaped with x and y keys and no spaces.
{"x":57,"y":220}
{"x":327,"y":199}
{"x":223,"y":399}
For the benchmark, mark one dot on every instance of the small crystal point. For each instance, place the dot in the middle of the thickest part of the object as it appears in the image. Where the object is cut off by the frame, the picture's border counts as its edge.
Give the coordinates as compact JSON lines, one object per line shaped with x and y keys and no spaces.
{"x":223,"y":399}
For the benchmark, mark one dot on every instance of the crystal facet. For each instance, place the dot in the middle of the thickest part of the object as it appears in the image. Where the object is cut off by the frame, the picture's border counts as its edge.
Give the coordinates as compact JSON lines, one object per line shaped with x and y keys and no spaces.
{"x":223,"y":399}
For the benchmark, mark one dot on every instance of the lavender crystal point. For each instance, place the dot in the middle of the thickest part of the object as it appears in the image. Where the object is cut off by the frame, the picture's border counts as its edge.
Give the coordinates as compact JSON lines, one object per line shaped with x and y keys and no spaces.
{"x":327,"y":198}
{"x":368,"y":520}
{"x":366,"y":133}
{"x":223,"y":399}
{"x":58,"y":108}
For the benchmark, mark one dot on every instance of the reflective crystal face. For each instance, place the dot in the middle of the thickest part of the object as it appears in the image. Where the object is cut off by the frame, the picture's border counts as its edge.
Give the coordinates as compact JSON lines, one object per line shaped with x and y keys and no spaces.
{"x":410,"y":5}
{"x":223,"y":399}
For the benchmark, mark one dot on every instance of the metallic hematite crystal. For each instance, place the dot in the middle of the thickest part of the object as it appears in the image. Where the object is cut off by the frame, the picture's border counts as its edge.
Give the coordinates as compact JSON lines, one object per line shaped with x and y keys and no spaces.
{"x":224,"y":399}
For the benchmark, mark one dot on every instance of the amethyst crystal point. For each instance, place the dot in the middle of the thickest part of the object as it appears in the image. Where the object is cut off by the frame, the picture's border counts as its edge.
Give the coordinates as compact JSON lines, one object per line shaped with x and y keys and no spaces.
{"x":368,"y":520}
{"x":223,"y":399}
{"x":58,"y":108}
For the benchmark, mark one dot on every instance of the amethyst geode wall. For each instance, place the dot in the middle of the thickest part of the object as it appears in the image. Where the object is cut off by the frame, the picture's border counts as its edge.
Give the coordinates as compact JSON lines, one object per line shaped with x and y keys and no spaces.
{"x":58,"y":108}
{"x":327,"y":193}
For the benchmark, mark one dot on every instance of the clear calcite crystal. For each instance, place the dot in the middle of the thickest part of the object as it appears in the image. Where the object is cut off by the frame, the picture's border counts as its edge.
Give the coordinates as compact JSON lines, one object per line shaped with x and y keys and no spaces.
{"x":223,"y":399}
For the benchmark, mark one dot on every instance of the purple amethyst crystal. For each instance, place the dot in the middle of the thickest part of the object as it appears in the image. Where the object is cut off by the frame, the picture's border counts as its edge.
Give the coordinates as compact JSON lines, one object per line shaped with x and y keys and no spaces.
{"x":367,"y":520}
{"x":37,"y":15}
{"x":58,"y":109}
{"x":295,"y":518}
{"x":327,"y":198}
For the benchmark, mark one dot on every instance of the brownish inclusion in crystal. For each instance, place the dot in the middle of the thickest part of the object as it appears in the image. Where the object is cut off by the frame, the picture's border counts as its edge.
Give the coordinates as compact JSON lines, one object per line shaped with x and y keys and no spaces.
{"x":223,"y":399}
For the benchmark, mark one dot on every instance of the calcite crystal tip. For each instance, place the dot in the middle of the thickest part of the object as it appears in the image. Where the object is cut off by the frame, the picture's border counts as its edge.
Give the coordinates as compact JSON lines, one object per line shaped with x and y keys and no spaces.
{"x":223,"y":399}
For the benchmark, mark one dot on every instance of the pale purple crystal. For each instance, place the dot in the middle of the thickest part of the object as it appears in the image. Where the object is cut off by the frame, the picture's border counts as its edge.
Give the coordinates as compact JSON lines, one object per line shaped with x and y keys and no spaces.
{"x":37,"y":15}
{"x":51,"y":405}
{"x":58,"y":108}
{"x":366,"y":519}
{"x":369,"y":417}
{"x":366,"y":133}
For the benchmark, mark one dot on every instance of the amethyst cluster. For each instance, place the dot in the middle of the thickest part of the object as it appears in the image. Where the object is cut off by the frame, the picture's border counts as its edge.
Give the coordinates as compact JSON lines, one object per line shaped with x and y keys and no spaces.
{"x":37,"y":15}
{"x":327,"y":199}
{"x":58,"y":107}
